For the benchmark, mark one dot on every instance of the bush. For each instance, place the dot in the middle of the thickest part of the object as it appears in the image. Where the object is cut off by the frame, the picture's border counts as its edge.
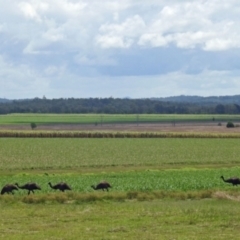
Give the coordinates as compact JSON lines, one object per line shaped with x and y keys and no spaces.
{"x":33,"y":125}
{"x":230,"y":125}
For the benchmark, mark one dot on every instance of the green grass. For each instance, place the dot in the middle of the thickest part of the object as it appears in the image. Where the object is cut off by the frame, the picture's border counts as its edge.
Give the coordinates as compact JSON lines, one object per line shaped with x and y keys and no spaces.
{"x":148,"y":181}
{"x":162,"y":188}
{"x":128,"y":164}
{"x":110,"y":118}
{"x":161,"y":219}
{"x":69,"y":153}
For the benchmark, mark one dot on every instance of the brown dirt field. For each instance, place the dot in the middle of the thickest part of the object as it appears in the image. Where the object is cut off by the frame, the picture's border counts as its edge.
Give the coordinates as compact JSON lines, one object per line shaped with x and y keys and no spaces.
{"x":189,"y":127}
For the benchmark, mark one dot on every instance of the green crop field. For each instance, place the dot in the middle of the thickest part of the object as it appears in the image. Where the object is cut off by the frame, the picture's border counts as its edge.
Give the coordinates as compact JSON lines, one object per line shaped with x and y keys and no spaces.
{"x":162,"y":188}
{"x":110,"y":118}
{"x":64,"y":153}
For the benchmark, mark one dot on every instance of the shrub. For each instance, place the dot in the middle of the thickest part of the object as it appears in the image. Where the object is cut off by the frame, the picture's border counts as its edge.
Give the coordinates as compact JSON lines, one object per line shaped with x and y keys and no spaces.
{"x":230,"y":125}
{"x":33,"y":125}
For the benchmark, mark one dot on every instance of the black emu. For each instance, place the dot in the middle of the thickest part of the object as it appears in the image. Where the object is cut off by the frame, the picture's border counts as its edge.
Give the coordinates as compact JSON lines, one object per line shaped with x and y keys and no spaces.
{"x":9,"y":188}
{"x":62,"y":186}
{"x":29,"y":186}
{"x":102,"y":185}
{"x":234,"y":180}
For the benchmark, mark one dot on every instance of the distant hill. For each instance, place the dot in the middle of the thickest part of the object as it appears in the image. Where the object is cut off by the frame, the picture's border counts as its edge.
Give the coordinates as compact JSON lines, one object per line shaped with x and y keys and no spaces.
{"x":235,"y":99}
{"x":167,"y":105}
{"x":202,"y":100}
{"x":4,"y":100}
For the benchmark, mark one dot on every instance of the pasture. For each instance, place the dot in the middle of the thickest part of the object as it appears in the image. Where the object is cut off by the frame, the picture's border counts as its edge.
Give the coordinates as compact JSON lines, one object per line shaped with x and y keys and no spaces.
{"x":41,"y":119}
{"x":162,"y":188}
{"x":162,"y":219}
{"x":123,"y":153}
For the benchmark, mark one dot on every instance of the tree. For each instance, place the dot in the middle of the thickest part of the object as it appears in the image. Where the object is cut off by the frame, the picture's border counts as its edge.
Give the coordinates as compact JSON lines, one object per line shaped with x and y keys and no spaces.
{"x":33,"y":125}
{"x":220,"y":109}
{"x":230,"y":125}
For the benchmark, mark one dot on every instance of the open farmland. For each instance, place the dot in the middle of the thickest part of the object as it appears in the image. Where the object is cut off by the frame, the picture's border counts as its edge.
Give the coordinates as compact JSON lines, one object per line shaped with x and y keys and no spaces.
{"x":21,"y":119}
{"x":70,"y":153}
{"x":121,"y":122}
{"x":158,"y":167}
{"x":162,"y":188}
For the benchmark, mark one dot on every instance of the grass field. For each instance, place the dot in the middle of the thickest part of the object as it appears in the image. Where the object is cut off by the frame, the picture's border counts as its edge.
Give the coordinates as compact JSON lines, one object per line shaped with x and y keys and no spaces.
{"x":161,"y":188}
{"x":69,"y":153}
{"x":111,"y":118}
{"x":198,"y":219}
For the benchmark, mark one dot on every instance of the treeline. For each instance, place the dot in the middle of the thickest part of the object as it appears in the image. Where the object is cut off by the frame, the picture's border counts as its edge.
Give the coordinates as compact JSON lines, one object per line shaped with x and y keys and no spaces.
{"x":202,"y":100}
{"x":114,"y":106}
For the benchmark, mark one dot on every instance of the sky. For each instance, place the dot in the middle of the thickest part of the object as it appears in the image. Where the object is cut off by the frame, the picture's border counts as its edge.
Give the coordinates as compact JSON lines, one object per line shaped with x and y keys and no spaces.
{"x":119,"y":48}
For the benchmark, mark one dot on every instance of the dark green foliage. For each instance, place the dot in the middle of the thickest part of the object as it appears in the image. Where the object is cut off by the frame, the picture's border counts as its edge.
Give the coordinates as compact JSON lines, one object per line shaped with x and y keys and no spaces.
{"x":117,"y":106}
{"x":33,"y":125}
{"x":230,"y":125}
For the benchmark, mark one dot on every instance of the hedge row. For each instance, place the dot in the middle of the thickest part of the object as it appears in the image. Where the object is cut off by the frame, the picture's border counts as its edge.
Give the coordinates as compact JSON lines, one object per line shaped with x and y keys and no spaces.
{"x":84,"y":134}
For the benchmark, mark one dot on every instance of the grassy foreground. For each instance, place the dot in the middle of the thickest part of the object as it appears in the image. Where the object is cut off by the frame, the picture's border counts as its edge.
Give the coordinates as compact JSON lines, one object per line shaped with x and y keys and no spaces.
{"x":161,"y":219}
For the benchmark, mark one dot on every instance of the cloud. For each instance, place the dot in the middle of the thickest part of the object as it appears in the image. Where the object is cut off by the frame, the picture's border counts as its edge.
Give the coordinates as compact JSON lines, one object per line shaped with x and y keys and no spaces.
{"x":109,"y":24}
{"x":120,"y":35}
{"x":28,"y":10}
{"x":47,"y":44}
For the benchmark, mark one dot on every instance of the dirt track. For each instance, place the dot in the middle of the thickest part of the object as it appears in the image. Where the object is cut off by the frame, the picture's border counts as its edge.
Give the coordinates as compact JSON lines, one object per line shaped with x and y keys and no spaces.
{"x":208,"y":127}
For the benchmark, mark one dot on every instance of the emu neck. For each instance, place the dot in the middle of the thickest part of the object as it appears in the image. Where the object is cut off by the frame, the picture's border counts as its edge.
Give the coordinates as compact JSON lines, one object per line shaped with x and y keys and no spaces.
{"x":223,"y":179}
{"x":19,"y":186}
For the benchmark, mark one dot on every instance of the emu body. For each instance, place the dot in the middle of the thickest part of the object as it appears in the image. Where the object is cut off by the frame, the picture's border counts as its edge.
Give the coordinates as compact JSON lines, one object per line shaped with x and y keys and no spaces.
{"x":62,"y":186}
{"x":102,"y":185}
{"x":29,"y":186}
{"x":9,"y":188}
{"x":234,"y":180}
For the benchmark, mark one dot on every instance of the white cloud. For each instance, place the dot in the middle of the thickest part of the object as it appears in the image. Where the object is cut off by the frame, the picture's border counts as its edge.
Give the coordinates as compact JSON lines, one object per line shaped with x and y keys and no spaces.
{"x":29,"y":11}
{"x":120,"y":35}
{"x":112,"y":24}
{"x":193,"y":24}
{"x":218,"y":44}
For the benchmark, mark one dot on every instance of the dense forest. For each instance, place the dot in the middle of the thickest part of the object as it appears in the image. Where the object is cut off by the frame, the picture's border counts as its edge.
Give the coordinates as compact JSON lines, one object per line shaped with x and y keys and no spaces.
{"x":203,"y":100}
{"x":174,"y":105}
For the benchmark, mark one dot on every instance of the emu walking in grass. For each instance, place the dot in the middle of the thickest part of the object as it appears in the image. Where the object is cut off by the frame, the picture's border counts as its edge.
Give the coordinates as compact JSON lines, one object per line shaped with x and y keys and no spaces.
{"x":9,"y":188}
{"x":29,"y":186}
{"x":62,"y":186}
{"x":233,"y":180}
{"x":102,"y":185}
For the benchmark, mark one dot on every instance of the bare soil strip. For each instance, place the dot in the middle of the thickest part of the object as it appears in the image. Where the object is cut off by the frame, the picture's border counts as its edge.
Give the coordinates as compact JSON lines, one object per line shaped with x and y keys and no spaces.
{"x":166,"y":127}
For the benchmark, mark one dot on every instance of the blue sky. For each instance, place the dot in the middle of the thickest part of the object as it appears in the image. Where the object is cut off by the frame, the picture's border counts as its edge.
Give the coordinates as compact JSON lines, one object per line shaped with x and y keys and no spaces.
{"x":119,"y":48}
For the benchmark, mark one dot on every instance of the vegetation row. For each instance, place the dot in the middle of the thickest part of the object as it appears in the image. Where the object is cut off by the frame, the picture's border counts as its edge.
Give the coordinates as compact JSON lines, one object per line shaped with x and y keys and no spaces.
{"x":152,"y":184}
{"x":73,"y":197}
{"x":110,"y":134}
{"x":111,"y":105}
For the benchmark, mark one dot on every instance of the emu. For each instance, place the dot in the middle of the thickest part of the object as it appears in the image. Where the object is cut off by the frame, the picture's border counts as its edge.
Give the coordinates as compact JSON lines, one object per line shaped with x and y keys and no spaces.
{"x":62,"y":186}
{"x":102,"y":185}
{"x":29,"y":186}
{"x":9,"y":188}
{"x":234,"y":180}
